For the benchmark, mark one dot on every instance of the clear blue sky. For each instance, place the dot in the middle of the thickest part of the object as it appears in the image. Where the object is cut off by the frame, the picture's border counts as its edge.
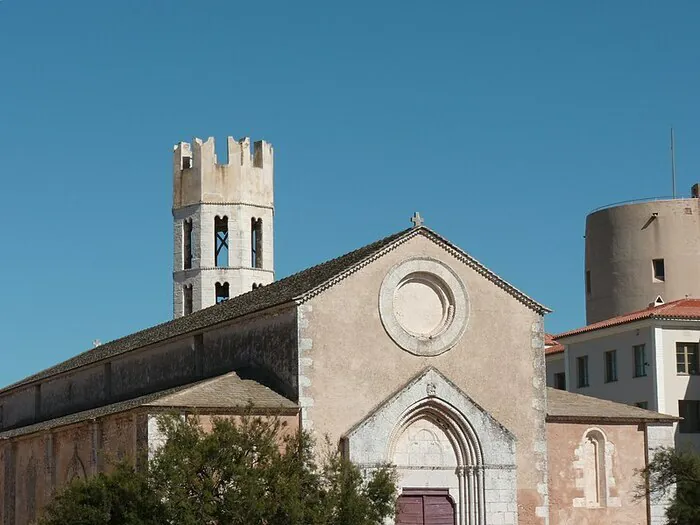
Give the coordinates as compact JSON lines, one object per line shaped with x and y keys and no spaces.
{"x":503,"y":123}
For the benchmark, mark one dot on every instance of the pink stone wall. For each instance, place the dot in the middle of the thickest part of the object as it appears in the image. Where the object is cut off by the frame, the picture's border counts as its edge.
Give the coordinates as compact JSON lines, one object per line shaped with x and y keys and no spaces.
{"x":565,"y":498}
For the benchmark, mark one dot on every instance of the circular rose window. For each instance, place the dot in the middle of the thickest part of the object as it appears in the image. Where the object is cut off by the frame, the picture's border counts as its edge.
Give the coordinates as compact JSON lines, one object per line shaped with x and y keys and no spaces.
{"x":423,"y":305}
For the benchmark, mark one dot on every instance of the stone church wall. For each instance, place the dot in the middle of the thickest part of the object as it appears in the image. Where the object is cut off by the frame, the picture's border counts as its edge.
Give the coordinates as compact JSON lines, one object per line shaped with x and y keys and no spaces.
{"x":583,"y":492}
{"x":18,"y":407}
{"x":82,"y":389}
{"x":153,"y":369}
{"x":268,"y":343}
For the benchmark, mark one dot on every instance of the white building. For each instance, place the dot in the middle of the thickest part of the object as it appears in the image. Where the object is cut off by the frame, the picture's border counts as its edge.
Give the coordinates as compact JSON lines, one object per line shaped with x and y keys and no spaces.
{"x":649,"y":358}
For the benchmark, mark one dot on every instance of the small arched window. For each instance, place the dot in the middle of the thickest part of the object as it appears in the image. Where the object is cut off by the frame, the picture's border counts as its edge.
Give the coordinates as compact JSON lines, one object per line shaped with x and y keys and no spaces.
{"x":187,"y":243}
{"x":594,"y":469}
{"x":187,"y":299}
{"x":256,"y":240}
{"x":221,"y":241}
{"x":221,"y":292}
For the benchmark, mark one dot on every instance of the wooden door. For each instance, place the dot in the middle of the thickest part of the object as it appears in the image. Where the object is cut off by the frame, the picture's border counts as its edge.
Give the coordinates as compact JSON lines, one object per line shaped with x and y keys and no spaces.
{"x":427,"y":508}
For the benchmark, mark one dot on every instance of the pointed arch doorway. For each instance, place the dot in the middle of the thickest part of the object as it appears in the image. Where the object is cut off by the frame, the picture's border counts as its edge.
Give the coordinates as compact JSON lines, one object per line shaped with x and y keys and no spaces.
{"x":425,"y":507}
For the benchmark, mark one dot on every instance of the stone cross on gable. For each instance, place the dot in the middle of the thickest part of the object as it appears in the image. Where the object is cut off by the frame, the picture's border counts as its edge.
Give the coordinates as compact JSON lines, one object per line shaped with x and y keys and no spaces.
{"x":417,"y":220}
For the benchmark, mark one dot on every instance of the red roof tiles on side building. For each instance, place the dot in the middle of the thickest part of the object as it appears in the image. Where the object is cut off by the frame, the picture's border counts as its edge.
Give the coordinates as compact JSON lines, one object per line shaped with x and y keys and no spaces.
{"x":680,"y":309}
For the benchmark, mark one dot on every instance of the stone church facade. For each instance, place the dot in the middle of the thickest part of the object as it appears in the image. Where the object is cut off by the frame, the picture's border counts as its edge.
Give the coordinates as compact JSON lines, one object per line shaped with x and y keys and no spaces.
{"x":406,"y":350}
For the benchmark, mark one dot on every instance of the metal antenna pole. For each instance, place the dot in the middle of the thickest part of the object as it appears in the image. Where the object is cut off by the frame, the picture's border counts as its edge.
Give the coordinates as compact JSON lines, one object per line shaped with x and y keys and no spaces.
{"x":673,"y":163}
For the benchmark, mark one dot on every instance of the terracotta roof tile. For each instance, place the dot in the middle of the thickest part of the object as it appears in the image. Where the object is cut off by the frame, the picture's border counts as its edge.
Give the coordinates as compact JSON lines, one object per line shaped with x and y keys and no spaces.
{"x":680,"y":309}
{"x":556,"y":348}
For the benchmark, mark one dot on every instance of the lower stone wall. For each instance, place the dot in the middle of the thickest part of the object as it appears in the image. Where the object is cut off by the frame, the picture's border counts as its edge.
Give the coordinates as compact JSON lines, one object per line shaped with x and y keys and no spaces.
{"x":35,"y":467}
{"x":593,"y":473}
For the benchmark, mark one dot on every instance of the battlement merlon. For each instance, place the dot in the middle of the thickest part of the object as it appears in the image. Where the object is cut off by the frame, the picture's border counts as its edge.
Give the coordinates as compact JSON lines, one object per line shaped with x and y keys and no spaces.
{"x":245,"y":177}
{"x":202,"y":154}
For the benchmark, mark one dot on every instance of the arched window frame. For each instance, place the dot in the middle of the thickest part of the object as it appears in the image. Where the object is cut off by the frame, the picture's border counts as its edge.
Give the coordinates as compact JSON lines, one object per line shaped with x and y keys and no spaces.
{"x":256,"y":242}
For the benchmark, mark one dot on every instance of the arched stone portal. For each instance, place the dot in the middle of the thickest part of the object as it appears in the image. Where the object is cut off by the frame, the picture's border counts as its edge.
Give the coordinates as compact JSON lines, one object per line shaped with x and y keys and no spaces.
{"x":440,"y":440}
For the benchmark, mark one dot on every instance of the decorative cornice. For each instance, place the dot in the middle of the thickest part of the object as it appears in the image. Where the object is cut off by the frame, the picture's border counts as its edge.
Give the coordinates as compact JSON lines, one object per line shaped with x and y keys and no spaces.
{"x":204,"y":268}
{"x":238,"y":203}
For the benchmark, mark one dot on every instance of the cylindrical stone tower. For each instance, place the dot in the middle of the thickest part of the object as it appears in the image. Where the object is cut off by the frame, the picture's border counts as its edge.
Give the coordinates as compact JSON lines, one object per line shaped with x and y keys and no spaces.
{"x":222,"y":219}
{"x":639,"y":252}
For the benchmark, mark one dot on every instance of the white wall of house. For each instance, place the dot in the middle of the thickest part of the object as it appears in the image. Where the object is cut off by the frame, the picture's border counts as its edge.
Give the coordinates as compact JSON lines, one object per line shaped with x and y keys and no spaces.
{"x":679,"y":386}
{"x":628,"y":388}
{"x":555,"y":365}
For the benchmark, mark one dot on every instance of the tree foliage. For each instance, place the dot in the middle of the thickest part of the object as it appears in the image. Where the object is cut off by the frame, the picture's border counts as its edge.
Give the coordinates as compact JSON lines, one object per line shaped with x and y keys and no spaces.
{"x":120,"y":497}
{"x":675,"y":473}
{"x":235,"y":473}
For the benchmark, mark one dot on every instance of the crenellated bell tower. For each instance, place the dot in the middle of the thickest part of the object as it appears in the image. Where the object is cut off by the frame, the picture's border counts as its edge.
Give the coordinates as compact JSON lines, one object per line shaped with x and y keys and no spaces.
{"x":223,"y":222}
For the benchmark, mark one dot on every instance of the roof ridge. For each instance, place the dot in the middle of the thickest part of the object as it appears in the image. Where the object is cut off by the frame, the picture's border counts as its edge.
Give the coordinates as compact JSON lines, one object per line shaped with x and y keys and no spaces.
{"x":295,"y":288}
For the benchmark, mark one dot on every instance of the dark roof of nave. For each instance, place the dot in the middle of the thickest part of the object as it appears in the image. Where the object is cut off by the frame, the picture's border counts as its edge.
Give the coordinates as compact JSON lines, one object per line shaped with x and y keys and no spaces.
{"x":297,"y":287}
{"x":567,"y":407}
{"x":224,"y":394}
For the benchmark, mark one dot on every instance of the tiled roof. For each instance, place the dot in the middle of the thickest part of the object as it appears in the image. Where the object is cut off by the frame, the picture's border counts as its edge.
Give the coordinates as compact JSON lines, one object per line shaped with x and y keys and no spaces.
{"x":680,"y":309}
{"x":297,"y":287}
{"x":224,"y":392}
{"x":554,"y":349}
{"x":551,"y":345}
{"x":567,"y":406}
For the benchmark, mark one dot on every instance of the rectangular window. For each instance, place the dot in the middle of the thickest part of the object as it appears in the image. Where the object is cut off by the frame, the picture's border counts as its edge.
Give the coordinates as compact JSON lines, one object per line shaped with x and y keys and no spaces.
{"x":659,"y":269}
{"x":640,"y":361}
{"x":689,"y":410}
{"x":642,"y":404}
{"x":560,"y":381}
{"x":588,"y":282}
{"x":687,"y":358}
{"x":582,"y":371}
{"x":611,"y":366}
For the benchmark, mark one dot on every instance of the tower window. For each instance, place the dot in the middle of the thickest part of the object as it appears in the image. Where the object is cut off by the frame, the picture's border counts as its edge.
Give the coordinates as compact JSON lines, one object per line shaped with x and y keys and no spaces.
{"x":221,"y":241}
{"x":588,"y":282}
{"x":186,"y":162}
{"x":221,"y":292}
{"x":659,"y":270}
{"x":187,"y":243}
{"x":256,"y":238}
{"x":187,"y":299}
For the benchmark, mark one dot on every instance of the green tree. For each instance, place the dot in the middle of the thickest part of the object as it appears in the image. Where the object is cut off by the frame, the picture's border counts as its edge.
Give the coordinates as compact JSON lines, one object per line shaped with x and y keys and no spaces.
{"x":122,"y":497}
{"x":680,"y":469}
{"x":245,"y":472}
